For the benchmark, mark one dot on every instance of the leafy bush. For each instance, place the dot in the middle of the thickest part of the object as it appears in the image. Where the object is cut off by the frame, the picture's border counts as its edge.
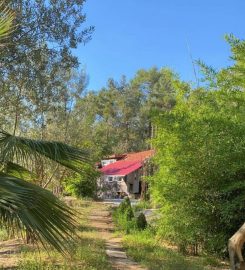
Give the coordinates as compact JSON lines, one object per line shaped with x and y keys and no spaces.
{"x":125,"y":219}
{"x":201,"y":167}
{"x":124,"y":205}
{"x":83,"y":185}
{"x":141,"y":221}
{"x":123,"y":216}
{"x":129,"y":214}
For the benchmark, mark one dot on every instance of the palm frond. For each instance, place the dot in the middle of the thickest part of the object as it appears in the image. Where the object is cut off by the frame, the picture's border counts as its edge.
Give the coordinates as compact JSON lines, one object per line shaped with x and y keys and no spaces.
{"x":7,"y":17}
{"x":18,"y":171}
{"x":28,"y":206}
{"x":22,"y":150}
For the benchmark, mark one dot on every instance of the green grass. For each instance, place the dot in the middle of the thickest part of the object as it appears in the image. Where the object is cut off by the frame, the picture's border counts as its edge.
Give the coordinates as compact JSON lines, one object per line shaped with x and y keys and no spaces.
{"x":88,"y":252}
{"x":88,"y":255}
{"x":3,"y":234}
{"x":141,"y":205}
{"x":144,"y":248}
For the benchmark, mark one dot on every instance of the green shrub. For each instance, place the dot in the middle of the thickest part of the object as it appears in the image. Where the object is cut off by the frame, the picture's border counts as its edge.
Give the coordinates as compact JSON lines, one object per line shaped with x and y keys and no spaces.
{"x":124,"y":205}
{"x":200,"y":186}
{"x":141,"y":221}
{"x":124,"y":218}
{"x":83,"y":185}
{"x":129,"y":214}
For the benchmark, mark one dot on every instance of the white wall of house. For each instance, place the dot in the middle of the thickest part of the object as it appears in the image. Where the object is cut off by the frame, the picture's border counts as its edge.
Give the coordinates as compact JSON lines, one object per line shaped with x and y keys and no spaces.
{"x":110,"y":186}
{"x":115,"y":184}
{"x":105,"y":162}
{"x":118,"y":181}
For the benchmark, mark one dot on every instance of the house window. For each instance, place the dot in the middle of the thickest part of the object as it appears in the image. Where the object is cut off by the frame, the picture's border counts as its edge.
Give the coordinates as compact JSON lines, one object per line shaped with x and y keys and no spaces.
{"x":110,"y":179}
{"x":103,"y":163}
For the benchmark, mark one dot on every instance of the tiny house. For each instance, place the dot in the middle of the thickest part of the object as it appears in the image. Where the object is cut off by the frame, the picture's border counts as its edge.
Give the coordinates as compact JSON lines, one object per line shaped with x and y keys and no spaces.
{"x":122,"y":175}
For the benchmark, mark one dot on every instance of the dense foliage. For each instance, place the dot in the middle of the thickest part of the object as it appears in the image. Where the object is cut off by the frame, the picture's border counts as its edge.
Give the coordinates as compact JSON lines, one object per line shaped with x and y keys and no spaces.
{"x":200,"y":147}
{"x":141,"y":221}
{"x":83,"y":184}
{"x":26,"y":207}
{"x":126,"y":218}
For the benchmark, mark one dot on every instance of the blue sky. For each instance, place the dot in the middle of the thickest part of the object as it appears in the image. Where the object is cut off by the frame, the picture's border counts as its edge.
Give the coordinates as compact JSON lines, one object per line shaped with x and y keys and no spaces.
{"x":134,"y":34}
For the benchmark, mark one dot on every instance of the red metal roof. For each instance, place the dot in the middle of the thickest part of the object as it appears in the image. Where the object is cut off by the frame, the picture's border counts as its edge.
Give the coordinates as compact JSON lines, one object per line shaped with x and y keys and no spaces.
{"x":121,"y":167}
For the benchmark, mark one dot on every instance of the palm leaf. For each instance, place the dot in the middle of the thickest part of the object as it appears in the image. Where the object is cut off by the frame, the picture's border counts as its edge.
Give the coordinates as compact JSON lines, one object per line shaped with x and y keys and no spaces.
{"x":22,"y":150}
{"x":18,"y":171}
{"x":28,"y":206}
{"x":7,"y":17}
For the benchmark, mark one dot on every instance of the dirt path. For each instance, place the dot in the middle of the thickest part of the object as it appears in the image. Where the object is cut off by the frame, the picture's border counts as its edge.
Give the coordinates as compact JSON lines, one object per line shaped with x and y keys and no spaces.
{"x":9,"y":251}
{"x":100,"y":220}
